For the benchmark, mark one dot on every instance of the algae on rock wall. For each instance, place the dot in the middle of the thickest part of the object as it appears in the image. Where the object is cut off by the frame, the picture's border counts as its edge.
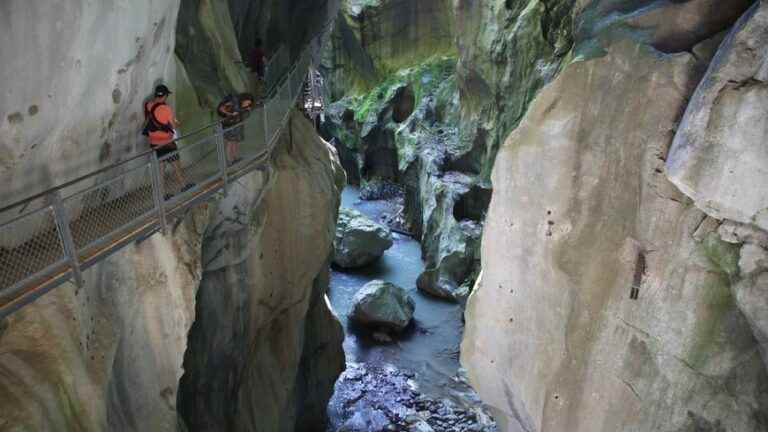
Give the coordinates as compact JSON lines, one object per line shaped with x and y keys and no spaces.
{"x":404,"y":131}
{"x":373,"y":40}
{"x":250,"y":338}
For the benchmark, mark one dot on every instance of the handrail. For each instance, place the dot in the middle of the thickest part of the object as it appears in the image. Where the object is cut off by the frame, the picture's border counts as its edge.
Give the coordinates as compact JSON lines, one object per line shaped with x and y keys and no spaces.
{"x":137,"y":156}
{"x":55,"y":242}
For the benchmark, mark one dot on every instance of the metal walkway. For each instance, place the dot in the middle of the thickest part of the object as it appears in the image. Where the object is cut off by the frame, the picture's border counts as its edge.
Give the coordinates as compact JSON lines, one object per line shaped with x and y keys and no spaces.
{"x":52,"y":237}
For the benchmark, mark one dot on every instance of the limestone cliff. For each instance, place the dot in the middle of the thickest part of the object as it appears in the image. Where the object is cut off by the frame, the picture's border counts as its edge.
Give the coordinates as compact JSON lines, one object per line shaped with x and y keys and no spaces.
{"x":609,"y":299}
{"x":109,"y":355}
{"x":373,"y":39}
{"x":249,"y":351}
{"x":398,"y":122}
{"x":73,"y":81}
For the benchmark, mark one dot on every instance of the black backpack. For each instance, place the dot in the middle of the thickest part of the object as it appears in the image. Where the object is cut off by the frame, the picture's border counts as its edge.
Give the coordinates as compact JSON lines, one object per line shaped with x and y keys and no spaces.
{"x":151,"y":124}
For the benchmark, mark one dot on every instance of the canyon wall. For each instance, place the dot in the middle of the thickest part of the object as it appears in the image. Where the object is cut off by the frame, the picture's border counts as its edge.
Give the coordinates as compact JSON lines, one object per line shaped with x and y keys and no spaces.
{"x":372,"y":40}
{"x":396,"y":117}
{"x":623,"y":281}
{"x":249,"y":350}
{"x":109,"y":355}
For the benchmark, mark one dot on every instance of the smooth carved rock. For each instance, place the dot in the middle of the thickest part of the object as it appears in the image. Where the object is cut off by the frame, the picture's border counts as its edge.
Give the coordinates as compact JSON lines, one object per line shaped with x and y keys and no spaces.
{"x":382,"y":304}
{"x":359,"y":241}
{"x":719,"y":157}
{"x":553,"y":314}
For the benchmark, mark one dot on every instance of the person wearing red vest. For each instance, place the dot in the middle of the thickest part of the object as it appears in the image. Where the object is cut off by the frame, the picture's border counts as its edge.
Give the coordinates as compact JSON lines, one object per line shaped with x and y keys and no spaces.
{"x":160,"y":127}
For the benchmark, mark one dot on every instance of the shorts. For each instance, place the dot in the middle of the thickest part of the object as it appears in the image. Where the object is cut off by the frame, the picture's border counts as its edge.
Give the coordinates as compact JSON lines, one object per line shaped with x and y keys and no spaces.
{"x":236,"y":134}
{"x":166,"y":150}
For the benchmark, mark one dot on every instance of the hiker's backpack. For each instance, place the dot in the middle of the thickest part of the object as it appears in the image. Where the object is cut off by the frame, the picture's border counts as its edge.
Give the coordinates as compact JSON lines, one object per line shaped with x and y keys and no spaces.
{"x":150,"y":121}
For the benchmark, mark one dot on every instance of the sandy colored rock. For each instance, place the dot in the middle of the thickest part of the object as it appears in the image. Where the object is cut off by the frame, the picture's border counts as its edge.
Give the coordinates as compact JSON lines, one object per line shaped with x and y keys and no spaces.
{"x":719,"y":157}
{"x":580,"y":217}
{"x":265,"y":264}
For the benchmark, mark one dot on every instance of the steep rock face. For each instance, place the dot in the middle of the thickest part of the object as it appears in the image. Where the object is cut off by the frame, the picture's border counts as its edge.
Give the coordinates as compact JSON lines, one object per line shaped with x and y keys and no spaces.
{"x":74,"y":78}
{"x":718,"y":157}
{"x":73,"y":82}
{"x":404,"y":131}
{"x":606,"y":298}
{"x":107,"y":356}
{"x":373,"y":39}
{"x":258,"y":283}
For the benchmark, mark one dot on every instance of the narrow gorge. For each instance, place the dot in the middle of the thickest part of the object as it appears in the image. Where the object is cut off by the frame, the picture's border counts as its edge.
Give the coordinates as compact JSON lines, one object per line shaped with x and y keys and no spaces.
{"x":444,"y":216}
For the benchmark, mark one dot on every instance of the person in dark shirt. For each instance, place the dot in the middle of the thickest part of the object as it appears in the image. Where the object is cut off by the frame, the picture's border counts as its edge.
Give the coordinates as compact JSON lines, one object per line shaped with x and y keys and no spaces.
{"x":233,"y":110}
{"x":258,"y":58}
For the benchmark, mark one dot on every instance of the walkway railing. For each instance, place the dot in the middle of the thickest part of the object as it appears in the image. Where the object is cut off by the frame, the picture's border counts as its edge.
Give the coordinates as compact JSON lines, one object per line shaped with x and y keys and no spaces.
{"x":52,"y":237}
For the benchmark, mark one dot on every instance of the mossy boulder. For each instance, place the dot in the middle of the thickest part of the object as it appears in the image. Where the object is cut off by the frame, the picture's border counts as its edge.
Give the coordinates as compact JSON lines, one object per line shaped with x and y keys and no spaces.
{"x":383,"y":305}
{"x":359,"y":241}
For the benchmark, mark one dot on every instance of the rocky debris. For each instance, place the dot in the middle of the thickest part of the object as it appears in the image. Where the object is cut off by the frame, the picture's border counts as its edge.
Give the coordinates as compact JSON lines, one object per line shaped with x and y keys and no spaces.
{"x":359,"y":241}
{"x":384,"y":398}
{"x":378,"y":189}
{"x":734,"y":232}
{"x":383,"y":305}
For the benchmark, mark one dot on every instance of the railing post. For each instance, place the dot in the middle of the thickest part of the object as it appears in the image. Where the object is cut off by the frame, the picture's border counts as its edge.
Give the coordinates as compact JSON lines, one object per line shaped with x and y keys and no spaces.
{"x":290,"y":93}
{"x":266,"y":124}
{"x":219,"y":136}
{"x":65,"y":235}
{"x":158,"y":187}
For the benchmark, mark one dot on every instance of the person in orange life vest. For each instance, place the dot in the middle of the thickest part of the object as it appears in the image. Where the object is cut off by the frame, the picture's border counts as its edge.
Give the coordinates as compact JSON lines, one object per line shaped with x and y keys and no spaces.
{"x":160,"y":127}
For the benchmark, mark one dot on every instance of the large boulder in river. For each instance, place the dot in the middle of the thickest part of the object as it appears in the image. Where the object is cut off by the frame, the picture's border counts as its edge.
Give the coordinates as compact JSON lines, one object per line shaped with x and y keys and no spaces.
{"x":383,"y":304}
{"x":359,"y":240}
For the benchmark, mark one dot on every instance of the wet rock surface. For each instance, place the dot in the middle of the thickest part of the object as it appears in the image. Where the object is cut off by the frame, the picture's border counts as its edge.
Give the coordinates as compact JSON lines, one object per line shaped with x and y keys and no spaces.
{"x":359,"y":241}
{"x":421,"y":159}
{"x":385,"y":398}
{"x":383,"y":305}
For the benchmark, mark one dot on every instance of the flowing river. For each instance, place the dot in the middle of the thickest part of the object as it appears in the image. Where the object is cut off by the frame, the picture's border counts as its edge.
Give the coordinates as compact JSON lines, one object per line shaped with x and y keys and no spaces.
{"x":425,"y":357}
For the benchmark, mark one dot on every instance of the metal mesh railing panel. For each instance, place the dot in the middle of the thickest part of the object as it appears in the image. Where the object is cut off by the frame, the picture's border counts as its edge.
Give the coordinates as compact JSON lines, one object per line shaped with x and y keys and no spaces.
{"x":285,"y":99}
{"x":32,"y":256}
{"x":253,"y":144}
{"x":190,"y":166}
{"x":277,"y":67}
{"x":103,"y":210}
{"x":110,"y":204}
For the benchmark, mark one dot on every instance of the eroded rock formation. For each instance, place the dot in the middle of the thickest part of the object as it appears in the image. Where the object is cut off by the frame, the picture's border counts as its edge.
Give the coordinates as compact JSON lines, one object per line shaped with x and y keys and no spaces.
{"x":259,"y":279}
{"x":108,"y":356}
{"x":608,"y":299}
{"x":359,"y":241}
